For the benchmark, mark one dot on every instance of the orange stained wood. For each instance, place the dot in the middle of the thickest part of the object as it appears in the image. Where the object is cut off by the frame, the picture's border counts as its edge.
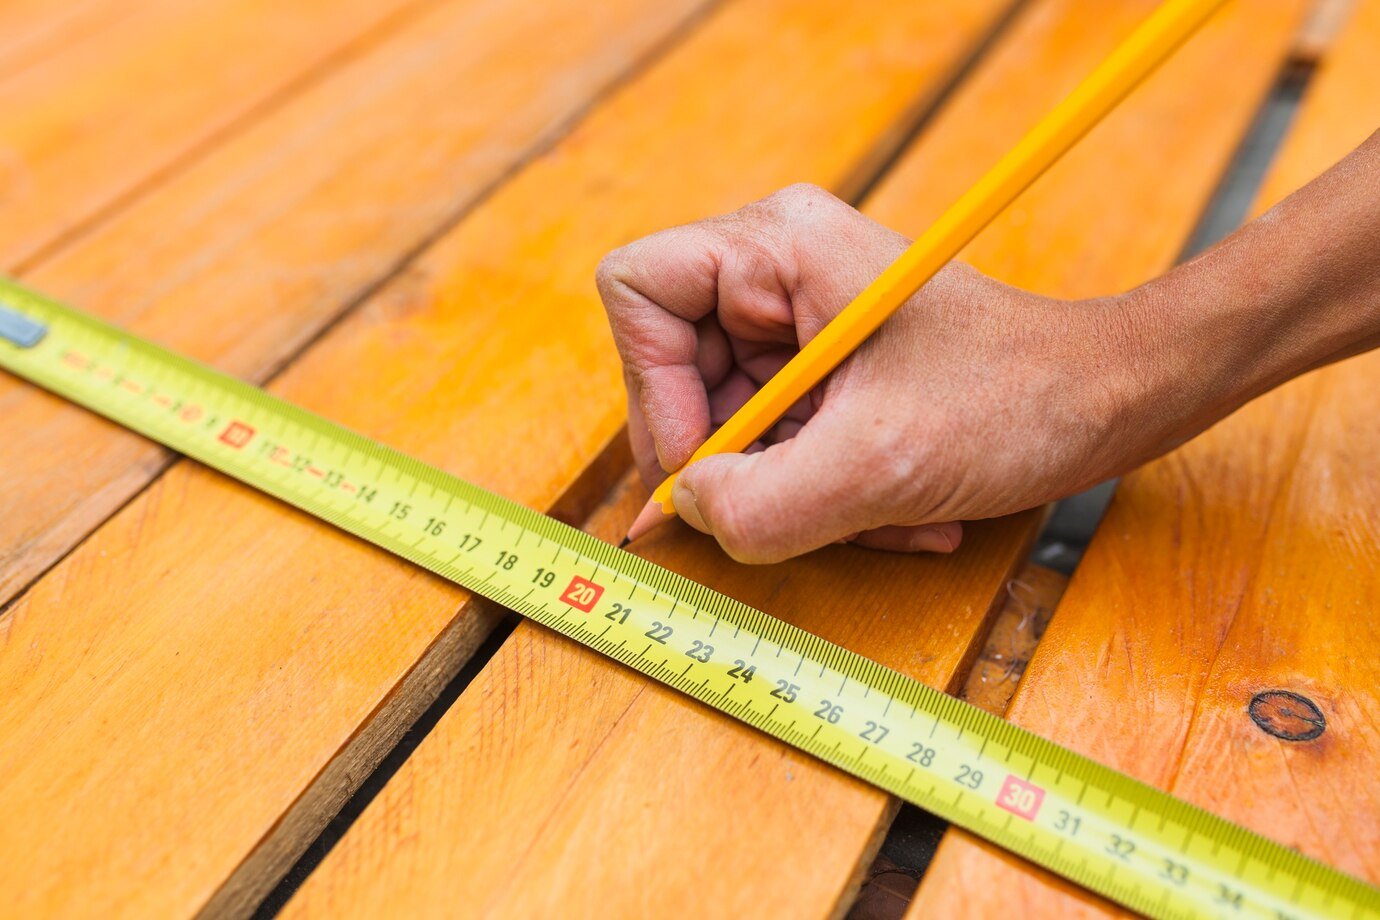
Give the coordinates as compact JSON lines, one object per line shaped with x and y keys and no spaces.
{"x":89,"y":123}
{"x":558,"y":781}
{"x":1245,"y":562}
{"x":242,"y":259}
{"x":31,"y":30}
{"x":191,"y":693}
{"x":561,"y":783}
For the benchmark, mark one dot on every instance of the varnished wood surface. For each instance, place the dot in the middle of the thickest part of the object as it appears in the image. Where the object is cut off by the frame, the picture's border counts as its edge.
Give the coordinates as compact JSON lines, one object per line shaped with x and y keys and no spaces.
{"x":241,"y":260}
{"x":114,"y":104}
{"x":31,"y":30}
{"x":1246,"y":562}
{"x":193,"y":690}
{"x":244,"y":258}
{"x":561,"y":783}
{"x":552,"y":749}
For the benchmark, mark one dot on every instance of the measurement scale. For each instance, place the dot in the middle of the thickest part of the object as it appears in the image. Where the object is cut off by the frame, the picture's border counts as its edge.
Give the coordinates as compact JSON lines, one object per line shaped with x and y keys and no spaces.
{"x":1098,"y":828}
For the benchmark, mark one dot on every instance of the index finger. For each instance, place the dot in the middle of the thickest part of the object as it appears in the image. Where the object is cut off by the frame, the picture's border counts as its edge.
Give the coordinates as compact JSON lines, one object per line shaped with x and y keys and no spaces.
{"x":654,"y":291}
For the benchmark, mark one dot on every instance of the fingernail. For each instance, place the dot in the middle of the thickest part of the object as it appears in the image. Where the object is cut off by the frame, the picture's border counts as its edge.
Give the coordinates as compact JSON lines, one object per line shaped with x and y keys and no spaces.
{"x":938,"y":538}
{"x":683,"y":495}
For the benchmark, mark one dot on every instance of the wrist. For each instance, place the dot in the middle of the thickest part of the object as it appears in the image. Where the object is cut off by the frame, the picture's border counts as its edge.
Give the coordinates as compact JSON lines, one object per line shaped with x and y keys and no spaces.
{"x":1289,"y":292}
{"x":1183,"y":353}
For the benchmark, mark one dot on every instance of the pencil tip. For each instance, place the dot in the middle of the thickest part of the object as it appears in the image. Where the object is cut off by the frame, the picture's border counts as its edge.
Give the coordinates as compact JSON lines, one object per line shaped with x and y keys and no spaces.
{"x":651,"y":515}
{"x":626,"y":541}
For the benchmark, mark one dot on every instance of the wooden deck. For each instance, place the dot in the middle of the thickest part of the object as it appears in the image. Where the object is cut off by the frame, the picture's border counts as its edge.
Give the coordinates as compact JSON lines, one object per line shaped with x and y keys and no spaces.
{"x":375,"y":209}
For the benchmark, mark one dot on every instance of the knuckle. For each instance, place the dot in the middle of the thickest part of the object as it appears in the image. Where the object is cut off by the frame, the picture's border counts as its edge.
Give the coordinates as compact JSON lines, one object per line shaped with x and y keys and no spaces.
{"x":610,"y":268}
{"x":896,"y":464}
{"x":806,"y":194}
{"x":792,"y":201}
{"x":805,"y":201}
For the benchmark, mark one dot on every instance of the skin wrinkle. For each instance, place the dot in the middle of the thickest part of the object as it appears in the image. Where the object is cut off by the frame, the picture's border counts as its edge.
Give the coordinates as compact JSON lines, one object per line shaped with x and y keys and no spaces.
{"x":975,"y":399}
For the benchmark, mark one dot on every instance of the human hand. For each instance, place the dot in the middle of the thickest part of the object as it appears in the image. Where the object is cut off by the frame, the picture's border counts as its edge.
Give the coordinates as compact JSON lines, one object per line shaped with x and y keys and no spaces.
{"x":974,"y":400}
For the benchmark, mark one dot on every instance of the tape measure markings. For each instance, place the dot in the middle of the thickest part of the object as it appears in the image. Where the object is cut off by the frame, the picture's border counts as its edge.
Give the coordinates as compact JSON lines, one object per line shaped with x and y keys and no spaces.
{"x":1101,"y":829}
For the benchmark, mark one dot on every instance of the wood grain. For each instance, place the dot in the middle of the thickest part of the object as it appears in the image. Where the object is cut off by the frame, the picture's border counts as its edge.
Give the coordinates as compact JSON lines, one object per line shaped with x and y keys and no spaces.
{"x":196,"y":688}
{"x":1244,"y":562}
{"x":558,"y":781}
{"x":31,"y":30}
{"x":93,"y":122}
{"x":244,"y":258}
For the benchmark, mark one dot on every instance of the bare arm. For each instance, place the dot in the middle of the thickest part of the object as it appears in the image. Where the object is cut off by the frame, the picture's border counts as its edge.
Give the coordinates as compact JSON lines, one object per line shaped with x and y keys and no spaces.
{"x":1291,"y":291}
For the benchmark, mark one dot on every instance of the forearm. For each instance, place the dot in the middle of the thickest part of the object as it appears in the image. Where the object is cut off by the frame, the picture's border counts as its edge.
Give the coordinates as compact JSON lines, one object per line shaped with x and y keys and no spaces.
{"x":1291,"y":291}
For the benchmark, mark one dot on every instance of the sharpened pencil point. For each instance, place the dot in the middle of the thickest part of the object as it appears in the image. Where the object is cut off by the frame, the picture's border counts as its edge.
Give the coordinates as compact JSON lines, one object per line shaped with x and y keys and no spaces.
{"x":625,"y":542}
{"x":652,"y":515}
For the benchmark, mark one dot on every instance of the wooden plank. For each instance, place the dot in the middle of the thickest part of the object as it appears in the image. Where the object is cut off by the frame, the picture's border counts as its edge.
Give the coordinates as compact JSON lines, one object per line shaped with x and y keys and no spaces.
{"x":1243,"y":562}
{"x":557,"y":781}
{"x":223,"y":670}
{"x":244,"y":258}
{"x":30,"y":30}
{"x":84,"y":129}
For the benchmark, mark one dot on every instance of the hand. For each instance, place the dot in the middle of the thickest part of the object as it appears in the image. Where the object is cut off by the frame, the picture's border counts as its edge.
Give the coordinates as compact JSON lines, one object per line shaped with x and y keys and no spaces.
{"x":974,"y":400}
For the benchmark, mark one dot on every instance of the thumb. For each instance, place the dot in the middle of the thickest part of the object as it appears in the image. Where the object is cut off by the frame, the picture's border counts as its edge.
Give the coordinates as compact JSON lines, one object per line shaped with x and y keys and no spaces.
{"x":793,"y":497}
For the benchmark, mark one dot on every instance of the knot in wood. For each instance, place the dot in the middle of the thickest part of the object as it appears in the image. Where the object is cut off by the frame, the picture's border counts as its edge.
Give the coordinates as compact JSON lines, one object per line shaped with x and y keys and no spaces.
{"x":1288,"y":715}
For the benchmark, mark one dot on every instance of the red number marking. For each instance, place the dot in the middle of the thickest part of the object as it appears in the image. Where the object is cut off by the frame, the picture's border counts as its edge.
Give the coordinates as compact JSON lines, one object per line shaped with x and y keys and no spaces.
{"x":162,"y":400}
{"x":131,"y":386}
{"x":75,"y":359}
{"x":280,"y":455}
{"x":315,"y":472}
{"x":582,"y":593}
{"x":1020,"y":797}
{"x":237,"y":434}
{"x":190,"y":414}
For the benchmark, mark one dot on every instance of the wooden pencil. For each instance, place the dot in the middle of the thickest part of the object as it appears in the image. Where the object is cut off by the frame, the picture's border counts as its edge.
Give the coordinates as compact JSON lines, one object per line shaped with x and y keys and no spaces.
{"x":1125,"y":68}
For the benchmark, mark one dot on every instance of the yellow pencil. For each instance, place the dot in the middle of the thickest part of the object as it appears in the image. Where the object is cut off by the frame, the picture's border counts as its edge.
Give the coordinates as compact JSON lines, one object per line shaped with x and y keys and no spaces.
{"x":1134,"y":60}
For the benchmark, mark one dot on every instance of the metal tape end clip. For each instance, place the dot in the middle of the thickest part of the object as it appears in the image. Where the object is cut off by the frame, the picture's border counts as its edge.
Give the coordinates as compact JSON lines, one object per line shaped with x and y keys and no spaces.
{"x":19,"y":329}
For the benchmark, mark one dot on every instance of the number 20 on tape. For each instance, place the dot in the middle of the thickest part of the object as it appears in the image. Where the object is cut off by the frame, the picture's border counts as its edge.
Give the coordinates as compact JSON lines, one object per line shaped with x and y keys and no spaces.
{"x":582,"y":594}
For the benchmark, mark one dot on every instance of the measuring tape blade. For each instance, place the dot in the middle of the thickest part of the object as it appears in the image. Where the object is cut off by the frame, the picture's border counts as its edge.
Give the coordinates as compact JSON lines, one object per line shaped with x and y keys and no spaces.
{"x":1088,"y":823}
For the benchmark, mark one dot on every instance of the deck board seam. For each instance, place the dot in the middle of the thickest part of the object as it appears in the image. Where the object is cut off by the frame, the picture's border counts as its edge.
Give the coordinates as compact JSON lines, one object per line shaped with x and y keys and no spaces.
{"x":400,"y":265}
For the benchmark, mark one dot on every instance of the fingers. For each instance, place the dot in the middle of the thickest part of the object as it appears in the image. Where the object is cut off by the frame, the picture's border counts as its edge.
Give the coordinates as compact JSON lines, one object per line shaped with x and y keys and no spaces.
{"x":790,"y":498}
{"x":703,"y":315}
{"x":684,"y":303}
{"x":796,"y":496}
{"x":924,"y":538}
{"x":655,"y":291}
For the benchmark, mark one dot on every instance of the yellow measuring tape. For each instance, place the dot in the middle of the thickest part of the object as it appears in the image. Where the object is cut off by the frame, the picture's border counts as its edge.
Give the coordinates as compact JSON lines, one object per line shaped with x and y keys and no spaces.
{"x":1094,"y":826}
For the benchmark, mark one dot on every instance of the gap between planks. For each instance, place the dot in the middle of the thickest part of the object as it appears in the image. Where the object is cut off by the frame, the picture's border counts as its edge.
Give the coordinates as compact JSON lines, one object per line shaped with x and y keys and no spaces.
{"x":220,"y":490}
{"x":367,"y":289}
{"x":613,"y":465}
{"x":1164,"y":247}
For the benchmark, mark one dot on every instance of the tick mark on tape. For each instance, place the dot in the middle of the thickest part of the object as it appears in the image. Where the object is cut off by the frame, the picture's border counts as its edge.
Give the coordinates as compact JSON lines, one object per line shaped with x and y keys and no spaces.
{"x":18,"y":329}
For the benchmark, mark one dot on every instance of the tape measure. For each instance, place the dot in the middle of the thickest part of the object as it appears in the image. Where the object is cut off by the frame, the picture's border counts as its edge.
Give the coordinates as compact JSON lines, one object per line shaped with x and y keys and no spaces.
{"x":1092,"y":825}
